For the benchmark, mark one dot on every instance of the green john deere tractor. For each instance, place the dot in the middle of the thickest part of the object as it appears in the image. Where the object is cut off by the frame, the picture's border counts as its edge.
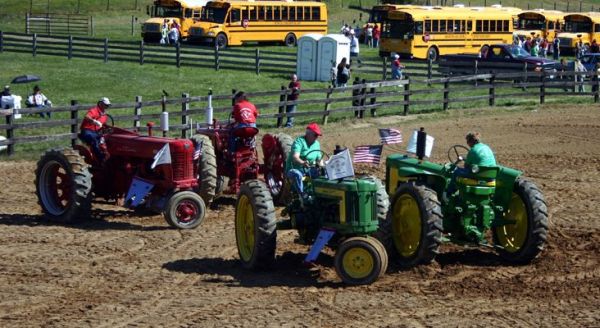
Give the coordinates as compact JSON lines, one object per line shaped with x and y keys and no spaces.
{"x":343,"y":214}
{"x":494,"y":206}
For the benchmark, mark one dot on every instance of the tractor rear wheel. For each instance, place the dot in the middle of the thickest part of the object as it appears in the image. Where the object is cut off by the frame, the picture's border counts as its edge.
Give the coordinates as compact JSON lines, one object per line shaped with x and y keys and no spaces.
{"x":275,"y":169}
{"x":63,"y":185}
{"x":207,"y":168}
{"x":522,"y":241}
{"x":185,"y":210}
{"x":255,"y":226}
{"x":360,"y":260}
{"x":383,"y":204}
{"x":412,"y":232}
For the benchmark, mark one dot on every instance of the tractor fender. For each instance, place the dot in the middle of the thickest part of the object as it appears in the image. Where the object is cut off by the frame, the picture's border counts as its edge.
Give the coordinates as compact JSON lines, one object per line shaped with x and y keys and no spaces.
{"x":505,"y":181}
{"x":398,"y":175}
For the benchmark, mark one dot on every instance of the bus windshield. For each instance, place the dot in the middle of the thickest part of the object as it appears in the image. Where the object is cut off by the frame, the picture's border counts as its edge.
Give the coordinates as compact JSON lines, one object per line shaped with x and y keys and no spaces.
{"x":213,"y":14}
{"x":401,"y":29}
{"x":575,"y":27}
{"x":377,"y":16}
{"x":163,"y":11}
{"x":531,"y":24}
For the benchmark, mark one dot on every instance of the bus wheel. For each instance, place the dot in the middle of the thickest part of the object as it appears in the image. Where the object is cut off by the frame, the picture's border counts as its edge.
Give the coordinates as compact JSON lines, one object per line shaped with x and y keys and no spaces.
{"x":290,"y":40}
{"x":221,"y":40}
{"x":433,"y":54}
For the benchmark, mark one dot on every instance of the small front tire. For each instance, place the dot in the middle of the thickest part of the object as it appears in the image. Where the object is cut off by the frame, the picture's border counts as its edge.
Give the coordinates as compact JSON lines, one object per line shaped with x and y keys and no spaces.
{"x":360,"y":260}
{"x":185,"y":210}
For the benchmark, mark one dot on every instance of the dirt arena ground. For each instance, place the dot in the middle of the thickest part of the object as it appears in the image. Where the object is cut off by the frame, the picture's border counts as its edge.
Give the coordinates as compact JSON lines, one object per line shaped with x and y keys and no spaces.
{"x":118,"y":270}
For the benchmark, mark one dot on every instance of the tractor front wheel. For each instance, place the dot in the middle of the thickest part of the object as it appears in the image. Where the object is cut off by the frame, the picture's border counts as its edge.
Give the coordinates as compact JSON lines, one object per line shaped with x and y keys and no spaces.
{"x":255,"y":226}
{"x":360,"y":260}
{"x":412,"y":232}
{"x":63,"y":185}
{"x":521,"y":241}
{"x":185,"y":210}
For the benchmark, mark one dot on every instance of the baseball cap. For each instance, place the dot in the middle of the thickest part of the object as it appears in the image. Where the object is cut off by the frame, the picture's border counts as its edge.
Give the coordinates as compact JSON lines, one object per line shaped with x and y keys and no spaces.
{"x":396,"y":56}
{"x":314,"y":127}
{"x":105,"y":101}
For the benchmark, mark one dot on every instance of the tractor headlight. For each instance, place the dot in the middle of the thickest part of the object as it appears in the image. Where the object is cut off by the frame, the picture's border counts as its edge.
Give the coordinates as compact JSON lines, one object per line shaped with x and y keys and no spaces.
{"x":475,"y":169}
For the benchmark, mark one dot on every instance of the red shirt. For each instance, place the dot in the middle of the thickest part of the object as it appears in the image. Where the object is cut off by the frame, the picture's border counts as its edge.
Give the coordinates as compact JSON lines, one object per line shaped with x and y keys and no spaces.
{"x":295,"y":92}
{"x":376,"y":33}
{"x":244,"y":112}
{"x":97,"y":114}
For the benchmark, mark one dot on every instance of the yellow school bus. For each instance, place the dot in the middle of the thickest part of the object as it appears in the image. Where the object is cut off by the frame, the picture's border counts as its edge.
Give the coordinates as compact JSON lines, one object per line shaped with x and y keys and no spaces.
{"x":232,"y":23}
{"x":379,"y":13}
{"x":545,"y":23}
{"x":429,"y":33}
{"x":584,"y":26}
{"x":184,"y":12}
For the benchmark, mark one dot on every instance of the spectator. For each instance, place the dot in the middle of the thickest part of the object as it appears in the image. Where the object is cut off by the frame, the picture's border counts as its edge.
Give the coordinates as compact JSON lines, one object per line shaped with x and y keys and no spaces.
{"x":580,"y":49}
{"x":354,"y":47}
{"x":580,"y":75}
{"x":343,"y":73}
{"x":535,"y":48}
{"x":91,"y":126}
{"x":333,"y":75}
{"x":527,"y":45}
{"x":556,"y":48}
{"x":164,"y":32}
{"x":294,"y":88}
{"x":6,"y":91}
{"x":345,"y":29}
{"x":369,"y":36}
{"x":594,"y":48}
{"x":397,"y":68}
{"x":38,"y":100}
{"x":376,"y":36}
{"x":544,"y":48}
{"x":564,"y":67}
{"x":173,"y":34}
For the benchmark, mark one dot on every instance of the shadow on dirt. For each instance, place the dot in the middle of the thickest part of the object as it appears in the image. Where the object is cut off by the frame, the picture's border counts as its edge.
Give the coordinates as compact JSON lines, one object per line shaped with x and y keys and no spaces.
{"x":221,"y":202}
{"x":470,"y":257}
{"x":288,"y":270}
{"x":97,"y":222}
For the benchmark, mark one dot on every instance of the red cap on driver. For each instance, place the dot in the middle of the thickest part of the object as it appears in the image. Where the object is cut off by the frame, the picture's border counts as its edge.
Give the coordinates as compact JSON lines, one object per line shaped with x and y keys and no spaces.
{"x":314,"y":128}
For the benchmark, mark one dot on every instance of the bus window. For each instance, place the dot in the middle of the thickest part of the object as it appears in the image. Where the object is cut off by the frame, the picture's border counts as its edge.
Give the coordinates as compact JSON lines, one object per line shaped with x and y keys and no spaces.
{"x":316,"y":13}
{"x":269,"y":12}
{"x":419,"y":28}
{"x":284,"y":13}
{"x":196,"y":14}
{"x":427,"y":26}
{"x":486,"y":26}
{"x":252,"y":16}
{"x":300,"y":13}
{"x":277,"y":13}
{"x":596,"y":27}
{"x":235,"y":15}
{"x":493,"y":26}
{"x":469,"y":26}
{"x":188,"y":12}
{"x":292,"y":13}
{"x":442,"y":26}
{"x":434,"y":27}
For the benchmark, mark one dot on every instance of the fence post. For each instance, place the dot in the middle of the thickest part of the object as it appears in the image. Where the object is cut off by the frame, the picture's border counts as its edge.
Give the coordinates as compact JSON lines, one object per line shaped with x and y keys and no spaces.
{"x":216,"y":57}
{"x":543,"y":88}
{"x":257,"y":61}
{"x":429,"y":68}
{"x":355,"y":92}
{"x":74,"y":122}
{"x":446,"y":93}
{"x":281,"y":110}
{"x":137,"y":111}
{"x":163,"y":104}
{"x":132,"y":28}
{"x":233,"y":92}
{"x":26,"y":23}
{"x":596,"y":87}
{"x":327,"y":104}
{"x":1,"y":42}
{"x":363,"y":97}
{"x":406,"y":97}
{"x":34,"y":45}
{"x":70,"y":49}
{"x":105,"y":50}
{"x":177,"y":55}
{"x":492,"y":91}
{"x":185,"y":107}
{"x":92,"y":25}
{"x":373,"y":101}
{"x":10,"y":133}
{"x":476,"y":69}
{"x":384,"y":68}
{"x":141,"y":52}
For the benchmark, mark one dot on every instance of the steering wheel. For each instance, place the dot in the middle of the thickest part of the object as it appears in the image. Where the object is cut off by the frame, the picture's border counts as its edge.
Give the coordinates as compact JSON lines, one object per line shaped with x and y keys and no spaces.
{"x":106,"y":129}
{"x":323,"y":154}
{"x":457,"y":153}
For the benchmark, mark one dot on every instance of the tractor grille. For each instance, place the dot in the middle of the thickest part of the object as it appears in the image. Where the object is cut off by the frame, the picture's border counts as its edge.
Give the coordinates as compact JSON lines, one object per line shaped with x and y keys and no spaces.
{"x":195,"y":31}
{"x":182,"y":166}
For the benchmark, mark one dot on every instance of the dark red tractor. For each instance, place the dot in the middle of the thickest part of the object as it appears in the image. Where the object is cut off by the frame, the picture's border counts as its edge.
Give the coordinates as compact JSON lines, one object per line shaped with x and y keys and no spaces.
{"x":223,"y":168}
{"x":142,"y":172}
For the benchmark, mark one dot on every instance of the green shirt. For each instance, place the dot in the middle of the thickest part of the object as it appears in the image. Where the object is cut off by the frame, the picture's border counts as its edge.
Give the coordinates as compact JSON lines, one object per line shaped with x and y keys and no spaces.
{"x":301,"y":147}
{"x":481,"y":155}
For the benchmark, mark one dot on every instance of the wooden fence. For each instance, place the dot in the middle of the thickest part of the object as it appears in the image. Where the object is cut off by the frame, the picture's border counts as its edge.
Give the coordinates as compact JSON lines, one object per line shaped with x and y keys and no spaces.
{"x":65,"y":24}
{"x":255,"y":60}
{"x":396,"y":97}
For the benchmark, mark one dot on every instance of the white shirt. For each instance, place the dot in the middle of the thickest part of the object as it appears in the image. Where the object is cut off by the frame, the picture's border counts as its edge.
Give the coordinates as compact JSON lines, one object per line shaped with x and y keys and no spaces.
{"x":37,"y":99}
{"x":354,"y":45}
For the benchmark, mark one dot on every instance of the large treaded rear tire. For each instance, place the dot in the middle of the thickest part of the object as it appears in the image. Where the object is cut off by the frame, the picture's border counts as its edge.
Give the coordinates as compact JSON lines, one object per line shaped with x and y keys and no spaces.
{"x":275,"y":174}
{"x":255,"y":225}
{"x":63,"y":184}
{"x":522,"y":242}
{"x":383,"y":204}
{"x":207,"y":168}
{"x":412,"y":232}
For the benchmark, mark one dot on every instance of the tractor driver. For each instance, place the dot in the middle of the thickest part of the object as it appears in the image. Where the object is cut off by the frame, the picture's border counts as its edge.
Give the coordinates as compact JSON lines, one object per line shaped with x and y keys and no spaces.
{"x":93,"y":122}
{"x":306,"y":151}
{"x":244,"y":114}
{"x":479,"y":154}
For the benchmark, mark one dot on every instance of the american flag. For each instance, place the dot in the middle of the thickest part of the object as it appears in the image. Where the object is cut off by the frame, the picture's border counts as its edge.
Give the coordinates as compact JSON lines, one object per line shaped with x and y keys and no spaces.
{"x":368,"y":154}
{"x":390,"y":136}
{"x":198,"y":151}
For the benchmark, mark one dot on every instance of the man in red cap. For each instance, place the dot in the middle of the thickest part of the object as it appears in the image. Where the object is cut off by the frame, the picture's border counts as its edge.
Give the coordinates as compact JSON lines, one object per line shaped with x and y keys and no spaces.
{"x":244,"y":115}
{"x":305,"y":154}
{"x":91,"y":125}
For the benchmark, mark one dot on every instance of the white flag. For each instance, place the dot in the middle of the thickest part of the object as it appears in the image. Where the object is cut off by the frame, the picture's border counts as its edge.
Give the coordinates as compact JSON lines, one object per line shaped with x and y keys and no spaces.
{"x":162,"y":157}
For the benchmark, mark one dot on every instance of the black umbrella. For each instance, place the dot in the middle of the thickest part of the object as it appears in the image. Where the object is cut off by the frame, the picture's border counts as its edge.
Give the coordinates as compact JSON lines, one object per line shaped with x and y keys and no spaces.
{"x":25,"y":79}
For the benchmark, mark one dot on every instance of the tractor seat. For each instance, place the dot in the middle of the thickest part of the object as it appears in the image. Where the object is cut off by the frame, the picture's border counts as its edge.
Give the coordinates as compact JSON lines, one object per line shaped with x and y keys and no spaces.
{"x":247,"y":132}
{"x":483,"y":181}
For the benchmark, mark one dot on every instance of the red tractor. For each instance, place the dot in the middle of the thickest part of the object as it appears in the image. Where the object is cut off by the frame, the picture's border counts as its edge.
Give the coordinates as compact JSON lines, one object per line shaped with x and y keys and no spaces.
{"x":141,"y":171}
{"x":223,"y":170}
